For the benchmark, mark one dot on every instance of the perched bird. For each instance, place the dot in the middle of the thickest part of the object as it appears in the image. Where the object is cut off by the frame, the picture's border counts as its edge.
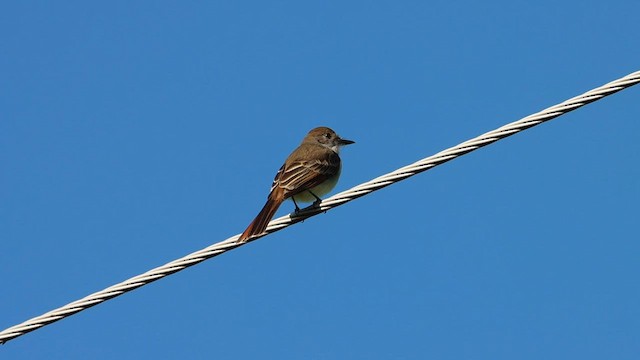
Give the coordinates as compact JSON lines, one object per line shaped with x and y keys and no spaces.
{"x":312,"y":170}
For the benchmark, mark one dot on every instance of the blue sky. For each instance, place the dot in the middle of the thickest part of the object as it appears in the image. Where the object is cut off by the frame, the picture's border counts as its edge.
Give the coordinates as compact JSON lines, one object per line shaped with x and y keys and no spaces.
{"x":134,"y":133}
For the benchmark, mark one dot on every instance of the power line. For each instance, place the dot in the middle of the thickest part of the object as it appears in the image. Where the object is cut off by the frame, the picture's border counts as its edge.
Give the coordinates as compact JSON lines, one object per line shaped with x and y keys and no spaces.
{"x":328,"y":204}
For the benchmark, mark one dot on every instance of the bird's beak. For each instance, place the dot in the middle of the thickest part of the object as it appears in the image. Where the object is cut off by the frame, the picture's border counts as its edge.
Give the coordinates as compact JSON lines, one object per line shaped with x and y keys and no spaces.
{"x":343,"y":142}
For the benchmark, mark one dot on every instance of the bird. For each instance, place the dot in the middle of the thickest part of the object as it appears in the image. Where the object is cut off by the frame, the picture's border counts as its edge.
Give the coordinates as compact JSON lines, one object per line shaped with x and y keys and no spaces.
{"x":310,"y":171}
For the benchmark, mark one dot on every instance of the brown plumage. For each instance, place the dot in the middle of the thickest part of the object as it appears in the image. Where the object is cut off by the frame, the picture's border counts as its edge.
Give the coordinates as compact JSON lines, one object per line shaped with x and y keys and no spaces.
{"x":310,"y":171}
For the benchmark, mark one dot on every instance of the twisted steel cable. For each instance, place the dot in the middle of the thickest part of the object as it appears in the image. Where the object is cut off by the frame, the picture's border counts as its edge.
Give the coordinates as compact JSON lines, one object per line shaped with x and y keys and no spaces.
{"x":334,"y":201}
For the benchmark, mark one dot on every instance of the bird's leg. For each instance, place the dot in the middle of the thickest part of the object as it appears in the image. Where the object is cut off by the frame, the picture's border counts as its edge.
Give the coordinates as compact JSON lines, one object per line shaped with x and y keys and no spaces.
{"x":297,"y":210}
{"x":318,"y":200}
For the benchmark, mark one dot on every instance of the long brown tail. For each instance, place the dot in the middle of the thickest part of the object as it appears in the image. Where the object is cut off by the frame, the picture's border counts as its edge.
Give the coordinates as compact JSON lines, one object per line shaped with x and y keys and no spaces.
{"x":261,"y":221}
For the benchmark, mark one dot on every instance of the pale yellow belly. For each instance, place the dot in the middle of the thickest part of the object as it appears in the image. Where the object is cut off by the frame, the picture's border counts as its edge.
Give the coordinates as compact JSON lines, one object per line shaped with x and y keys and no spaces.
{"x":319,"y":190}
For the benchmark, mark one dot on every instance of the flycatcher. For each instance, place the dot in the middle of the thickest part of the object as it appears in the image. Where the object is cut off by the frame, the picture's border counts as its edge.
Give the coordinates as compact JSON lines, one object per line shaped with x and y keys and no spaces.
{"x":312,"y":170}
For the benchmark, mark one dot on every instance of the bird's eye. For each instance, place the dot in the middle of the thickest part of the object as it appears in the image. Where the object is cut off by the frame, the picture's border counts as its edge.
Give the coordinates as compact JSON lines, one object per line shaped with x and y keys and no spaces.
{"x":327,"y":135}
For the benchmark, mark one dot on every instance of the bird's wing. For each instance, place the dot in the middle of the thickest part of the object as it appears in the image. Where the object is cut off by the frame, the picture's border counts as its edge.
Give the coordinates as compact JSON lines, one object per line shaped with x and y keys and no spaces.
{"x":301,"y":175}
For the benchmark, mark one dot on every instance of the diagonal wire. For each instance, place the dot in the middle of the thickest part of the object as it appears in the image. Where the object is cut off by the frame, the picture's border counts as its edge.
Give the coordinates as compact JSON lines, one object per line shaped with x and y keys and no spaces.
{"x":334,"y":201}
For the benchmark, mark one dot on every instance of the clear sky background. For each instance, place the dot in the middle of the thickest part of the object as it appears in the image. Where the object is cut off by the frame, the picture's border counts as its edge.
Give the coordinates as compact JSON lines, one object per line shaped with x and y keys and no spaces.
{"x":133,"y":133}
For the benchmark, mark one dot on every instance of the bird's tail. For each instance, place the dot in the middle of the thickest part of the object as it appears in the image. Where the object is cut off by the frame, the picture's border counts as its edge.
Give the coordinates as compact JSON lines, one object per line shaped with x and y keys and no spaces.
{"x":259,"y":224}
